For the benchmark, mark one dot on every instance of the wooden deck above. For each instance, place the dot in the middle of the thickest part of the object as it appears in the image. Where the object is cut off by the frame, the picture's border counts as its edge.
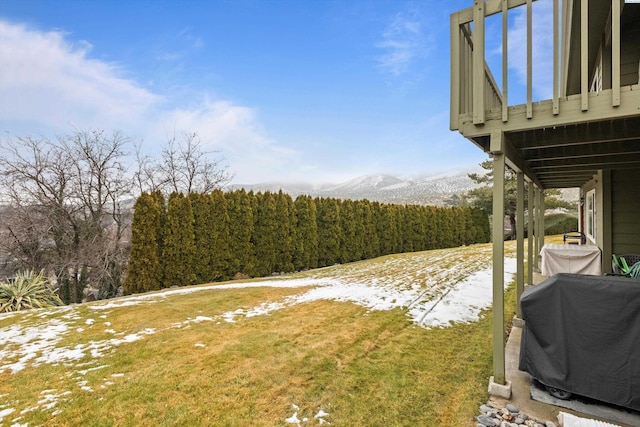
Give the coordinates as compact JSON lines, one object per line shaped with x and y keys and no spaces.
{"x":597,"y":128}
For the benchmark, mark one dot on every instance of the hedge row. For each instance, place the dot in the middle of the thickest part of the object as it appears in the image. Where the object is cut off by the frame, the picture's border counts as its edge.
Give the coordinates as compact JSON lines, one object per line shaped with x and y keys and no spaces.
{"x":203,"y":238}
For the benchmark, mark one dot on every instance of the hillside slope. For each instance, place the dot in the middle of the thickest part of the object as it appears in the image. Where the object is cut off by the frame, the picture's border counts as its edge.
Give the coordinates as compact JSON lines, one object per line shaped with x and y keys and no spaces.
{"x":398,"y":340}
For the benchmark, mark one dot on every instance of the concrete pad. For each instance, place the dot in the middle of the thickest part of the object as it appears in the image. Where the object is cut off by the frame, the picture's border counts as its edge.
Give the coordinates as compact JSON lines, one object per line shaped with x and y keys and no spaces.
{"x":528,"y":397}
{"x":593,"y":408}
{"x":521,"y":384}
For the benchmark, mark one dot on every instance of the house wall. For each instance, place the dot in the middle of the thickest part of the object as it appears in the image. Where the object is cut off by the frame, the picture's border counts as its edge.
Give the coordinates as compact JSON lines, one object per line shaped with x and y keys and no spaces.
{"x":629,"y":59}
{"x":625,"y":212}
{"x":630,"y":54}
{"x":617,"y":213}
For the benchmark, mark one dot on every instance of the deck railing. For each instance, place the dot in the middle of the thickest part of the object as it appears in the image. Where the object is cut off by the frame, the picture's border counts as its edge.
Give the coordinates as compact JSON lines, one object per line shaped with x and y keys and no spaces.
{"x":491,"y":93}
{"x":474,"y":91}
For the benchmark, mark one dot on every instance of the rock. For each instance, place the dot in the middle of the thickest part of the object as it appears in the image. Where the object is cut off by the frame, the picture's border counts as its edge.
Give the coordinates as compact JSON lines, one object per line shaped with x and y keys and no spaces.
{"x":486,"y":421}
{"x":507,"y":416}
{"x":487,"y":409}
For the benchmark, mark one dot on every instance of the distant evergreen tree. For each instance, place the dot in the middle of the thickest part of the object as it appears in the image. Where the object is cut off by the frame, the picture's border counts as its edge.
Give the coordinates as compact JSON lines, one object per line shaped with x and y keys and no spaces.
{"x":143,"y":270}
{"x":481,"y":222}
{"x":203,"y":239}
{"x":329,"y":231}
{"x":399,"y":212}
{"x":431,"y":228}
{"x":179,"y":244}
{"x":370,"y":241}
{"x":220,"y":245}
{"x":470,"y":232}
{"x":350,"y":249}
{"x":239,"y":208}
{"x":360,"y":226}
{"x":460,"y":225}
{"x":445,"y":228}
{"x":162,"y":203}
{"x":264,"y":234}
{"x":482,"y":197}
{"x":411,"y":229}
{"x":284,"y":233}
{"x":387,"y":229}
{"x":420,"y":229}
{"x":306,"y":241}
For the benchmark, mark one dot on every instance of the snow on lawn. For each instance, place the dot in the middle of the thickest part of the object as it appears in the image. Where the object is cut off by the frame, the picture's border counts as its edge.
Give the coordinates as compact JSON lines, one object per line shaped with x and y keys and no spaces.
{"x":459,"y":301}
{"x":435,"y":288}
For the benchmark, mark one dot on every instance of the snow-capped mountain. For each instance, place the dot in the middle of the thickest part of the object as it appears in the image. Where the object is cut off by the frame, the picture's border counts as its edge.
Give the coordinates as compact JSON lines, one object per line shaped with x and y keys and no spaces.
{"x":421,"y":190}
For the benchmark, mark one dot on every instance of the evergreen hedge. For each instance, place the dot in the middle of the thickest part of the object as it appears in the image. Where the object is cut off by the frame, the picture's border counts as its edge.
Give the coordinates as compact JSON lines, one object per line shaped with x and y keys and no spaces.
{"x":211,"y":237}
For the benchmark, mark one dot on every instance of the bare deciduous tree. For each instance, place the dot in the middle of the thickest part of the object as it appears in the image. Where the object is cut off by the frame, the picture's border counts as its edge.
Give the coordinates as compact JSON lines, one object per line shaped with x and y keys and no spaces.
{"x":183,"y":168}
{"x":65,"y":209}
{"x":66,"y":205}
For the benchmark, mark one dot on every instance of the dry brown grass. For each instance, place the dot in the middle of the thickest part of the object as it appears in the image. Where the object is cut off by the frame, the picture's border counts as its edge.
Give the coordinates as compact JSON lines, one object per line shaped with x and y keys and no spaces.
{"x":373,"y":368}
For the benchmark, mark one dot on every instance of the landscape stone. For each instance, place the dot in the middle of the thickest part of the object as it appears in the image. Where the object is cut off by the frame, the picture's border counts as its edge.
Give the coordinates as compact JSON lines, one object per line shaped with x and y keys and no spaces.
{"x":486,"y":421}
{"x":487,"y":409}
{"x":507,"y":416}
{"x":512,"y":408}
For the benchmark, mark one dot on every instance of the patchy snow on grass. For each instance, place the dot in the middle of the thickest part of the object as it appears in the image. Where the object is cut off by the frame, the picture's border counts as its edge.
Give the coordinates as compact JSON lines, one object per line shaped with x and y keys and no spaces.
{"x":25,"y":343}
{"x":159,"y":296}
{"x":436,"y":289}
{"x":464,"y":301}
{"x":5,"y":412}
{"x":454,"y":301}
{"x":39,"y":344}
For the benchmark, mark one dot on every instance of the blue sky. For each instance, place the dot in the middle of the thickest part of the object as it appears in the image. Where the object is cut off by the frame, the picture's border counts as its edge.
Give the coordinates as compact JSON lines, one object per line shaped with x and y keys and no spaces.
{"x":286,"y":90}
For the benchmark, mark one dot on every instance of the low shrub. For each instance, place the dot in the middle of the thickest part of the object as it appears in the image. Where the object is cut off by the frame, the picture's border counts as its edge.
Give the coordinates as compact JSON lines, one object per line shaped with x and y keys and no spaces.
{"x":557,"y":223}
{"x":560,"y":223}
{"x":26,"y":291}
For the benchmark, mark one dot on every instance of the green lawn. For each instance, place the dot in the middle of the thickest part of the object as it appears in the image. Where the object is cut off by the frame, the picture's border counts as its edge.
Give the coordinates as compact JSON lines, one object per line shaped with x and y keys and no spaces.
{"x":274,"y":355}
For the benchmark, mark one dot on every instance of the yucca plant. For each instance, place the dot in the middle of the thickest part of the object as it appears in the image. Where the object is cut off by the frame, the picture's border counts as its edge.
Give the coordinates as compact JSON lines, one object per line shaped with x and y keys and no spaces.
{"x":26,"y":291}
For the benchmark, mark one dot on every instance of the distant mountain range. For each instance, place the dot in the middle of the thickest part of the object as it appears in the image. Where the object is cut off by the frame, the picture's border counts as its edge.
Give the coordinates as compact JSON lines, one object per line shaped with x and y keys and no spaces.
{"x":420,"y":190}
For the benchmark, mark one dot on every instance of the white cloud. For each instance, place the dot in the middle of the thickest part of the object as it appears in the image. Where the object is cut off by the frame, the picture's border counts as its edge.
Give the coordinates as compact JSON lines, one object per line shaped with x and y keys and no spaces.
{"x":49,"y":85}
{"x":542,"y":48}
{"x":235,"y":131}
{"x":46,"y":79}
{"x":404,"y":41}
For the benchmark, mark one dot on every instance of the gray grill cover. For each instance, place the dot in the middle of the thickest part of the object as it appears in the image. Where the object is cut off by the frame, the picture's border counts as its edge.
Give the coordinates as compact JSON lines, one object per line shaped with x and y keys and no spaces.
{"x":582,"y":335}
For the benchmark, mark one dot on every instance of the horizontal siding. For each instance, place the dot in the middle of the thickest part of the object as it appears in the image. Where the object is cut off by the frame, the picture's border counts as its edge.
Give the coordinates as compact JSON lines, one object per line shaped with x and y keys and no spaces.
{"x":625,"y":211}
{"x":630,"y":55}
